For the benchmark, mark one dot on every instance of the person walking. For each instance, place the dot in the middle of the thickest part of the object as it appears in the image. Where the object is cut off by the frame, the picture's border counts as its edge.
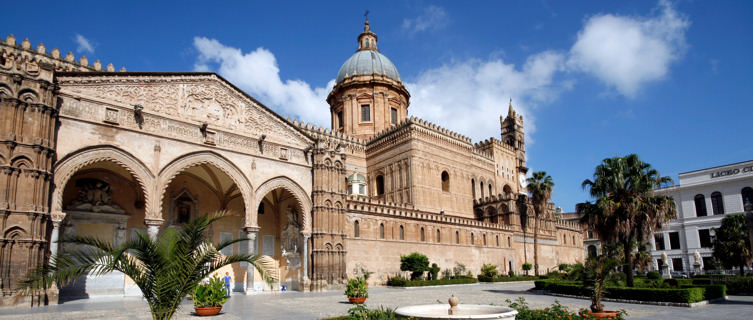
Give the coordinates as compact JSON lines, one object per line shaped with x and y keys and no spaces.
{"x":227,"y":283}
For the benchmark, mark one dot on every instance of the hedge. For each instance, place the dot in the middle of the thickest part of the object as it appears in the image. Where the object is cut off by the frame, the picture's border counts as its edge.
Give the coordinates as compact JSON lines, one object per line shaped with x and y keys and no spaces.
{"x":679,"y":282}
{"x":736,"y":285}
{"x":713,"y":291}
{"x":401,"y":282}
{"x":682,"y":295}
{"x":483,"y":278}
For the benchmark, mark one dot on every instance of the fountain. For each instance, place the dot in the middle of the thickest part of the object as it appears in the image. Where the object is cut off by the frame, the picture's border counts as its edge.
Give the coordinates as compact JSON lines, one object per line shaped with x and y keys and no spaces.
{"x":456,"y":311}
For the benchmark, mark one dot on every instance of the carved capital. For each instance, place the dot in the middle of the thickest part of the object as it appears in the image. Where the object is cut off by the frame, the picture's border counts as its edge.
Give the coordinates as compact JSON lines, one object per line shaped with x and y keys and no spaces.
{"x":153,"y":222}
{"x":57,"y":218}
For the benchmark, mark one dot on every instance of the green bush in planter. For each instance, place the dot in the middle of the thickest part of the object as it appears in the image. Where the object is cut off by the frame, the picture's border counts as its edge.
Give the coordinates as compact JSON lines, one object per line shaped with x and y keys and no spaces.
{"x":357,"y":288}
{"x":527,"y":267}
{"x":210,"y":294}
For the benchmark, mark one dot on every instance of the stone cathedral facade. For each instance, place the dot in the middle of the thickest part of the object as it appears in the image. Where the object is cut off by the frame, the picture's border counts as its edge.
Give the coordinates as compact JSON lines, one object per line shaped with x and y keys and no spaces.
{"x":86,"y":150}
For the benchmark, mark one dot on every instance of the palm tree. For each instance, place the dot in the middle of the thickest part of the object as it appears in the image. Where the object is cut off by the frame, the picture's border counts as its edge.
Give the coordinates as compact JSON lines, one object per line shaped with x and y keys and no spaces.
{"x":540,"y":187}
{"x":166,"y":270}
{"x":626,"y":210}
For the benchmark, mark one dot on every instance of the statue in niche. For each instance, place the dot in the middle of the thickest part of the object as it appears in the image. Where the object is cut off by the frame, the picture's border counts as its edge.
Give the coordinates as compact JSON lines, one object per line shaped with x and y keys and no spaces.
{"x":94,"y":195}
{"x":183,"y":207}
{"x":291,"y":237}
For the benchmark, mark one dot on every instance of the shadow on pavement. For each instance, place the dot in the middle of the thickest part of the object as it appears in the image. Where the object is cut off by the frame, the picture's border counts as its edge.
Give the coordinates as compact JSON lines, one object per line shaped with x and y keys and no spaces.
{"x":509,"y":291}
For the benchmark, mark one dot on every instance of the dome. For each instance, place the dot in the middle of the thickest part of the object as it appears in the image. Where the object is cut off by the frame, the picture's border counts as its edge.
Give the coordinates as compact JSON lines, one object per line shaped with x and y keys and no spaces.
{"x":366,"y":63}
{"x":356,"y":178}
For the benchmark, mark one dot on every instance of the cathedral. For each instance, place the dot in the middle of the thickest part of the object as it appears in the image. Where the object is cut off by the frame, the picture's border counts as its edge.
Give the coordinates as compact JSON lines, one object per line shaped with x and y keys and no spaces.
{"x":91,"y":151}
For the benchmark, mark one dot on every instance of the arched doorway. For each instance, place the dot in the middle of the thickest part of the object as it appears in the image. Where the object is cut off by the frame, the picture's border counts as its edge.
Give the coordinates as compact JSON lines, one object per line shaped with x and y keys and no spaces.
{"x":284,"y":231}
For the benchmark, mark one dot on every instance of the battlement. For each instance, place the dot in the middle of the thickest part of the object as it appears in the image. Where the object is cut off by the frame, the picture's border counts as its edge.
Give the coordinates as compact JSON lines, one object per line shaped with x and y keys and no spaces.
{"x":569,"y":225}
{"x":366,"y":205}
{"x":495,"y":198}
{"x":9,"y":48}
{"x":317,"y":131}
{"x":492,"y":142}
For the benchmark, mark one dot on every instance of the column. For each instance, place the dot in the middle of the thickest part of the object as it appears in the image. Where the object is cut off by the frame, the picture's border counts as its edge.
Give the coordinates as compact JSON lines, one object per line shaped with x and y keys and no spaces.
{"x":251,"y":233}
{"x":57,"y":220}
{"x":152,"y":227}
{"x":306,"y":258}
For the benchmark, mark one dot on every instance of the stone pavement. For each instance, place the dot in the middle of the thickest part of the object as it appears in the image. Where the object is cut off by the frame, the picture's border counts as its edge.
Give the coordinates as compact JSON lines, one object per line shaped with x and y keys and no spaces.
{"x":296,"y":305}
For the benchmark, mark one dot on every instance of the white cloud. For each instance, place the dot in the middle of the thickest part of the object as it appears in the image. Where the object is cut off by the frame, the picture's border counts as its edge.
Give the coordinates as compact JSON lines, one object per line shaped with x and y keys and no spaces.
{"x":432,"y":17}
{"x":629,"y":52}
{"x":257,"y":73}
{"x":468,"y":96}
{"x":84,"y":45}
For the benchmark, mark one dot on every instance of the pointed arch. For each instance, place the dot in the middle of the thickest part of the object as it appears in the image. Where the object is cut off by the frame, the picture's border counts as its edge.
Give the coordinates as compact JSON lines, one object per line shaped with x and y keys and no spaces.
{"x":73,"y":162}
{"x":301,"y":197}
{"x":175,"y":167}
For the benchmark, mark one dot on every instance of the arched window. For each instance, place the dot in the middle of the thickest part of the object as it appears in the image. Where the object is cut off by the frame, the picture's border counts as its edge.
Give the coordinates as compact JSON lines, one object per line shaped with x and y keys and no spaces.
{"x":497,"y":240}
{"x":422,"y":235}
{"x":473,"y":188}
{"x":473,"y":240}
{"x":592,"y":251}
{"x":439,"y":236}
{"x":402,"y":233}
{"x":747,"y":195}
{"x":481,"y":185}
{"x":356,"y":231}
{"x":490,"y":190}
{"x":445,"y":181}
{"x":564,"y":239}
{"x":457,"y":237}
{"x":380,"y":185}
{"x":717,"y":204}
{"x":573,"y":239}
{"x":509,"y":242}
{"x":381,"y":230}
{"x":700,"y":205}
{"x":484,"y":236}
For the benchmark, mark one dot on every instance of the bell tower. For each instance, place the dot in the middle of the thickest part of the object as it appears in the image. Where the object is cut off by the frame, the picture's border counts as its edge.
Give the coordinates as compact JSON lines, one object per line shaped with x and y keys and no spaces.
{"x":368,"y":95}
{"x":513,"y":134}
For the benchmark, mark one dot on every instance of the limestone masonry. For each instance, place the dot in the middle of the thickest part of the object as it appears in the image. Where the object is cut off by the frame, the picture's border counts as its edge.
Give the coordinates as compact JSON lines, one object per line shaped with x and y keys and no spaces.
{"x":94,"y":152}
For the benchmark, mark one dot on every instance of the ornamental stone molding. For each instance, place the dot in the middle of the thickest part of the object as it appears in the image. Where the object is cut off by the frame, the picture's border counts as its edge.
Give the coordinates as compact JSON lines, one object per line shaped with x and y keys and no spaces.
{"x":303,"y":200}
{"x":72,"y":163}
{"x":169,"y":172}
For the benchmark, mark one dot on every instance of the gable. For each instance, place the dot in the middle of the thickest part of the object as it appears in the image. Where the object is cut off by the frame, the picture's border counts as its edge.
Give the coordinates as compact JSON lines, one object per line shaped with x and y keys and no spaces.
{"x":189,"y":97}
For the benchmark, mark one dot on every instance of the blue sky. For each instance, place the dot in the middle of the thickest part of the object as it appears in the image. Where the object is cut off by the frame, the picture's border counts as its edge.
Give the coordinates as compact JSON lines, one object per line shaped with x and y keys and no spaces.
{"x":670,"y":81}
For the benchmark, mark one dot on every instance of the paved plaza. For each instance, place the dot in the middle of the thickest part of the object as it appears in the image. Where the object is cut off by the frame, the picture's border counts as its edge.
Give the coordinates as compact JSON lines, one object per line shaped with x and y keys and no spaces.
{"x":296,"y":305}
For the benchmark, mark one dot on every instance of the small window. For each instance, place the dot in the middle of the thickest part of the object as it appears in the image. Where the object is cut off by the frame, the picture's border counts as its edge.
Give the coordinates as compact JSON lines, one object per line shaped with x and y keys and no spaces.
{"x":497,"y":241}
{"x":439,"y":236}
{"x":484,"y":237}
{"x":700,"y":205}
{"x":365,"y":113}
{"x":704,"y":235}
{"x":340,"y":119}
{"x":490,"y":190}
{"x":356,"y":231}
{"x":380,"y":185}
{"x":457,"y":237}
{"x":422,"y":235}
{"x":564,"y":239}
{"x":573,"y":239}
{"x":481,"y":185}
{"x":592,"y":251}
{"x":717,"y":203}
{"x":445,"y":181}
{"x":473,"y":188}
{"x":402,"y":233}
{"x":509,"y":242}
{"x":590,"y":234}
{"x":659,"y":241}
{"x":361,"y":189}
{"x":677,"y":264}
{"x":674,"y":240}
{"x":381,"y":231}
{"x":473,"y":240}
{"x":747,"y":195}
{"x":393,"y":113}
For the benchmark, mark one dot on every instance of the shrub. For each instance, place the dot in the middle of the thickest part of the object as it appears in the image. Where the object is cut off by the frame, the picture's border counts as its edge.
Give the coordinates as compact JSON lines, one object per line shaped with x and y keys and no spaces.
{"x":653,"y":275}
{"x":434,"y":272}
{"x":563,"y":267}
{"x":357,"y":288}
{"x":420,"y":283}
{"x":489,"y":270}
{"x":459,"y":269}
{"x":555,"y":312}
{"x":446,"y":274}
{"x":361,"y":312}
{"x":416,"y":263}
{"x":396,"y":281}
{"x":678,"y":282}
{"x":701,"y":281}
{"x":527,"y":267}
{"x":576,"y":272}
{"x":687,"y":295}
{"x":736,"y":285}
{"x":510,"y":273}
{"x":211,"y":294}
{"x":712,"y":291}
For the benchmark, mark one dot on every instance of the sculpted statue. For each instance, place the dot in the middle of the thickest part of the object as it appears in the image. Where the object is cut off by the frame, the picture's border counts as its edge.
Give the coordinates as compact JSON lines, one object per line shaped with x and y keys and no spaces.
{"x":664,"y":258}
{"x":95,"y":196}
{"x":697,"y":257}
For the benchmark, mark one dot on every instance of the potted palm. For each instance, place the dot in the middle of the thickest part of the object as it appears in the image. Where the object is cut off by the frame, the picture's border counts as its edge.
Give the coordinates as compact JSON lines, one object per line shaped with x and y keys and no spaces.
{"x":357,"y":290}
{"x":598,"y":270}
{"x":209,"y":297}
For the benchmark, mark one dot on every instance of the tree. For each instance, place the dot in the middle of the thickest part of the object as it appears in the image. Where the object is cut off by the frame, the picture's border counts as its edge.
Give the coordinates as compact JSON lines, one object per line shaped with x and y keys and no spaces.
{"x":540,"y":187}
{"x":731,"y":242}
{"x":416,"y":263}
{"x":626,"y":210}
{"x":166,"y":270}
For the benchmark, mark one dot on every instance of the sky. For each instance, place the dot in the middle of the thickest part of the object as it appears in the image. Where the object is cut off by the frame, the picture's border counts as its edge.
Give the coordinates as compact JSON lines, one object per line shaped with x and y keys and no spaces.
{"x":671,"y":81}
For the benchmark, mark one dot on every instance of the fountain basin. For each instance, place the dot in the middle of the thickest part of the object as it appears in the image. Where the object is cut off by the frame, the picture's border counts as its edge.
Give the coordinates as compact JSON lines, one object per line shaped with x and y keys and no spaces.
{"x":464,"y":311}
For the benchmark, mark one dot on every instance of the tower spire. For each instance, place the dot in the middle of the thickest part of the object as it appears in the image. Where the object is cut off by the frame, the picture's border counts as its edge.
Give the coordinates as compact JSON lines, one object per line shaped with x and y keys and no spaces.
{"x":510,"y":111}
{"x":367,"y":40}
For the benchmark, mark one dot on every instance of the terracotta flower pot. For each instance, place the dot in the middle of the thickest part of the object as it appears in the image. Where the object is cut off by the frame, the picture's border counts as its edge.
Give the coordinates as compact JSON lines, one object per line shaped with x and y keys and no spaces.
{"x":604,"y":314}
{"x":207,"y":311}
{"x":359,"y":300}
